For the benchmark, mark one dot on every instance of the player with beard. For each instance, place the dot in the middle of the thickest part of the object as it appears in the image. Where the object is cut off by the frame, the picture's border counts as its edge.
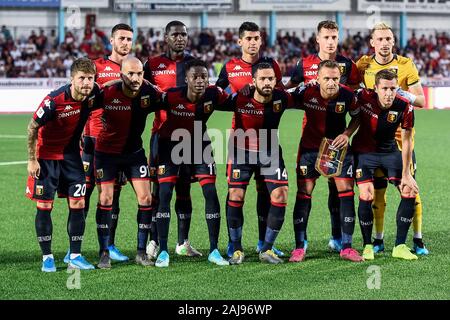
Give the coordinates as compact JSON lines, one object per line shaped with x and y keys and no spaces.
{"x":237,"y":75}
{"x":126,"y":104}
{"x":54,"y":160}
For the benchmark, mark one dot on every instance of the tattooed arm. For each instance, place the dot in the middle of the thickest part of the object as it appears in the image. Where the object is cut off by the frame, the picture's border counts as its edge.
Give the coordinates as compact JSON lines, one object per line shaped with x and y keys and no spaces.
{"x":33,"y":165}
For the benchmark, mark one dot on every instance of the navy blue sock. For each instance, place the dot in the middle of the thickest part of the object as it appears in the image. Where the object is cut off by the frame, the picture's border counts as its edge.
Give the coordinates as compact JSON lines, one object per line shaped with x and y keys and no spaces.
{"x":365,"y":216}
{"x":103,"y":219}
{"x":75,"y":229}
{"x":235,"y":219}
{"x":405,"y":215}
{"x":347,"y":212}
{"x":144,"y":220}
{"x":44,"y":229}
{"x":301,"y":214}
{"x":274,"y":223}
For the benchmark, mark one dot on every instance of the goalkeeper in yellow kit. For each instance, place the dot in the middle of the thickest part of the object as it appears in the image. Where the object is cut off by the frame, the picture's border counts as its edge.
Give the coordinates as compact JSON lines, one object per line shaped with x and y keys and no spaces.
{"x":382,"y":40}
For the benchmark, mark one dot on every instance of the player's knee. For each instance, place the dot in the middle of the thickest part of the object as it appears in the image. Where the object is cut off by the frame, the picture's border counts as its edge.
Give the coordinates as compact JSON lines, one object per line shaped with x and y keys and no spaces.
{"x":106,"y":198}
{"x":44,"y":205}
{"x":236,"y":194}
{"x":76,"y":203}
{"x":366,"y":196}
{"x":144,"y":199}
{"x":279,"y":195}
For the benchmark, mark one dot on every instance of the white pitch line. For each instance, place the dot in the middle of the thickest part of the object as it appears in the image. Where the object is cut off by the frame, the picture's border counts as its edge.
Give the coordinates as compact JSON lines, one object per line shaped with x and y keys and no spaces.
{"x":12,"y":136}
{"x":12,"y":162}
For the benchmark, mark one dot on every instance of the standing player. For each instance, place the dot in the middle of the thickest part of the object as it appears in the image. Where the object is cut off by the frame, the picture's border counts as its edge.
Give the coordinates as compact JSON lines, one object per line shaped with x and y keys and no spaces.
{"x":167,"y":71}
{"x":126,"y":105}
{"x":108,"y":68}
{"x":188,"y":107}
{"x":381,"y":114}
{"x":254,"y":148}
{"x":326,"y":105}
{"x":382,"y":40}
{"x":55,"y":160}
{"x":306,"y":71}
{"x":237,"y":74}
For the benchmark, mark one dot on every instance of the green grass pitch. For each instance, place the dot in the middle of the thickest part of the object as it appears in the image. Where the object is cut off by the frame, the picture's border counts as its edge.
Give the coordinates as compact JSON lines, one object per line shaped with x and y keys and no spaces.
{"x":322,"y":276}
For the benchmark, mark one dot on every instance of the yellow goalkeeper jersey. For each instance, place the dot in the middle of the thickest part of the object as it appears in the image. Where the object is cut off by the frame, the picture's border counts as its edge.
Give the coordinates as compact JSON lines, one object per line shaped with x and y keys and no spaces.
{"x":404,"y":67}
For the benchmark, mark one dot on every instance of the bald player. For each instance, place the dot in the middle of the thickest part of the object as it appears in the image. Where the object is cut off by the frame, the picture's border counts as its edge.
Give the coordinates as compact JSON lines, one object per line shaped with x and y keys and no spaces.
{"x":126,"y":105}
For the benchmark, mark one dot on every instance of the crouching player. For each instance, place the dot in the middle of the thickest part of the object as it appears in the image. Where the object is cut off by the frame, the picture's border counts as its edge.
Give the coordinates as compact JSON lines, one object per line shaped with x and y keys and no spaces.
{"x":55,"y":161}
{"x":187,"y":107}
{"x":381,"y":113}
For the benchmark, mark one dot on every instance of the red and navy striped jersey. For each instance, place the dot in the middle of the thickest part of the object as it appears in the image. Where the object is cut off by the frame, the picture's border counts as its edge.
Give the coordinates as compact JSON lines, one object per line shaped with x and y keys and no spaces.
{"x":107,"y":70}
{"x":61,"y":120}
{"x":326,"y":118}
{"x":378,"y":126}
{"x":165,"y":73}
{"x":124,"y":118}
{"x":237,"y":73}
{"x":255,"y":118}
{"x":181,"y":113}
{"x":307,"y":69}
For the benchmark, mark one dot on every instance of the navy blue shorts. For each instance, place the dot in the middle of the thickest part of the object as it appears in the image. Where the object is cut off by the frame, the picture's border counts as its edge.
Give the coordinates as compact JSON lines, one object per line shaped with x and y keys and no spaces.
{"x":133,"y":165}
{"x":65,"y":176}
{"x":390,"y":163}
{"x":169,"y":171}
{"x":270,"y":169}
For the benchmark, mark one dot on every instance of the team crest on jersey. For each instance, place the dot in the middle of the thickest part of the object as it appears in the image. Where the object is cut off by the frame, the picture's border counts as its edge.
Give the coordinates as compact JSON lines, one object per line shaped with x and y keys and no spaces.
{"x":207,"y":107}
{"x":161,"y":170}
{"x":303,"y":170}
{"x":86,"y":166}
{"x":99,"y":173}
{"x":340,"y":107}
{"x":277,"y":106}
{"x":358,"y":173}
{"x":236,"y":173}
{"x":392,"y":116}
{"x":39,"y":190}
{"x":342,"y":67}
{"x":145,"y":101}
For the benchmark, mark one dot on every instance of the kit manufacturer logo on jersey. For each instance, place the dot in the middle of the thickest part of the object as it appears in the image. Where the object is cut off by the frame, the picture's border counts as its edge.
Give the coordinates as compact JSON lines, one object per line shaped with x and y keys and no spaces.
{"x":108,"y":68}
{"x":237,"y":67}
{"x":162,"y":66}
